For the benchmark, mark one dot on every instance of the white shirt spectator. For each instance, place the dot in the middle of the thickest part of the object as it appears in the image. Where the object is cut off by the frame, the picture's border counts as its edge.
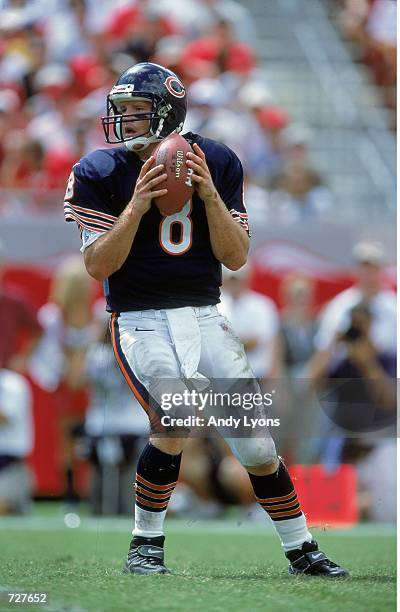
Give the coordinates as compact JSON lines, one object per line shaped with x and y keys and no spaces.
{"x":47,"y":364}
{"x":382,"y":22}
{"x":253,"y":316}
{"x":16,"y":433}
{"x":336,"y":318}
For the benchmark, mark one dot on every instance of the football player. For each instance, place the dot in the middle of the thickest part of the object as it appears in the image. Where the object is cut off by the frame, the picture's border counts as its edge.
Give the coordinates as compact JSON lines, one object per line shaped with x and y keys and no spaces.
{"x":161,"y":279}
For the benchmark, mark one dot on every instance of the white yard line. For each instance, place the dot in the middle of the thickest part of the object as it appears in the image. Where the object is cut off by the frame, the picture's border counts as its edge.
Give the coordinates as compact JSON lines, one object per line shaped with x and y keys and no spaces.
{"x":234,"y":527}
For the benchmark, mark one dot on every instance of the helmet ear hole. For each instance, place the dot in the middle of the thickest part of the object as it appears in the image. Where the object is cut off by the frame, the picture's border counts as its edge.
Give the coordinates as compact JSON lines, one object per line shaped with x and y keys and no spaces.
{"x":170,"y":121}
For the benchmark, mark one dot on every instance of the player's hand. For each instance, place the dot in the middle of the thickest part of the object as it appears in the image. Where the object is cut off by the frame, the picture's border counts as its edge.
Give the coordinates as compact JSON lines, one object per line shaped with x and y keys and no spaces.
{"x":201,"y":174}
{"x":146,"y":186}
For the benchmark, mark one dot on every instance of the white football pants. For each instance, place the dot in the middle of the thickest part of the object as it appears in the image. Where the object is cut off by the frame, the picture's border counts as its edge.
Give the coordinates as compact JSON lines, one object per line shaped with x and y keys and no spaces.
{"x":185,"y":343}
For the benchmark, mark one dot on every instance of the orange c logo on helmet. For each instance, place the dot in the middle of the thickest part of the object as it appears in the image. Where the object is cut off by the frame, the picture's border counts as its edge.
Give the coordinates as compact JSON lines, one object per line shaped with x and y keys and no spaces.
{"x":175,"y":87}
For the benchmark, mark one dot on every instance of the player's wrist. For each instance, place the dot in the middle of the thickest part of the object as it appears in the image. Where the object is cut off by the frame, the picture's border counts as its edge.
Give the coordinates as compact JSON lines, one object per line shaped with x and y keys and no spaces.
{"x":212,"y":200}
{"x":136,"y":210}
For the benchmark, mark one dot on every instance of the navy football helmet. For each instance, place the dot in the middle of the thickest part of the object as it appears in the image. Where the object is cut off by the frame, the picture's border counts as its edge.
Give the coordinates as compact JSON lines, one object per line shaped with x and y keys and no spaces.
{"x":151,"y":82}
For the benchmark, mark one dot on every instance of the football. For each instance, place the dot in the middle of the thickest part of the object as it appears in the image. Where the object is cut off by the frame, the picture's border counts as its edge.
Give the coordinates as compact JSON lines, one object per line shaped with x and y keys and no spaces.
{"x":172,"y":153}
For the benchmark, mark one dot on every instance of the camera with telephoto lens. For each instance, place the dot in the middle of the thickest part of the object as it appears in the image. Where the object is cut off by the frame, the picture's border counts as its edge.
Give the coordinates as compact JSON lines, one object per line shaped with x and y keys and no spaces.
{"x":359,"y":323}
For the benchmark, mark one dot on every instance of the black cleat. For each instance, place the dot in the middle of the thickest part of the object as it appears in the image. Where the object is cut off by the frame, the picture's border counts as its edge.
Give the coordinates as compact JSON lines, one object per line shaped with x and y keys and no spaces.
{"x":146,"y":556}
{"x":310,"y":561}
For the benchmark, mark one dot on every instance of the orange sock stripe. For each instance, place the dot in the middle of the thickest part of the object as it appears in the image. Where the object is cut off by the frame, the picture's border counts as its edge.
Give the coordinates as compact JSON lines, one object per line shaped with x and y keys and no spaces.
{"x":163,"y":487}
{"x":280,"y":506}
{"x":150,"y":504}
{"x":287,"y":513}
{"x":152,"y":495}
{"x":271,"y":500}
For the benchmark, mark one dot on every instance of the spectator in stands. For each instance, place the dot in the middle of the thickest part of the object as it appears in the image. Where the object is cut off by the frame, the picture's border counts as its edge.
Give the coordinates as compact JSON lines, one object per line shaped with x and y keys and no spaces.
{"x":297,"y":196}
{"x":53,"y":108}
{"x":369,"y":290}
{"x":20,"y":330}
{"x":67,"y":31}
{"x":273,"y":120}
{"x":382,"y":47}
{"x":371,"y":24}
{"x":210,"y":115}
{"x":222,"y":50}
{"x":263,"y":148}
{"x":298,"y":323}
{"x":60,"y":357}
{"x":298,"y":191}
{"x":35,"y":54}
{"x":197,"y":17}
{"x":135,"y":28}
{"x":207,"y":108}
{"x":297,"y":139}
{"x":23,"y":166}
{"x":254,"y":318}
{"x":16,"y":442}
{"x":9,"y":115}
{"x":149,"y":27}
{"x":360,"y":358}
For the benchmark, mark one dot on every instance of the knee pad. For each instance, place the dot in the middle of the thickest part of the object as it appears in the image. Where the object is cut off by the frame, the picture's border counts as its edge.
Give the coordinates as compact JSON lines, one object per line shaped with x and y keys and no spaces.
{"x":253,"y":451}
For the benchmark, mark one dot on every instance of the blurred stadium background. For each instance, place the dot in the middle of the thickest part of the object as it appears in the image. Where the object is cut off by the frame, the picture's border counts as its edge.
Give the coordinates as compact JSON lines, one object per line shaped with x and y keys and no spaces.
{"x":304,"y":92}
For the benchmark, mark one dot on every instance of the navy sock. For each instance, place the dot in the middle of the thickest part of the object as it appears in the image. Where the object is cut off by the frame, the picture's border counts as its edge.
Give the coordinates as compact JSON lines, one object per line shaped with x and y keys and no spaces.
{"x":156,"y":476}
{"x":276,"y":494}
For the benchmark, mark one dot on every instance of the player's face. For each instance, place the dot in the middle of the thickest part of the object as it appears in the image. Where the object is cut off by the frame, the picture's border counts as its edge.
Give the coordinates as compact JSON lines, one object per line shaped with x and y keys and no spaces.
{"x":133,"y":129}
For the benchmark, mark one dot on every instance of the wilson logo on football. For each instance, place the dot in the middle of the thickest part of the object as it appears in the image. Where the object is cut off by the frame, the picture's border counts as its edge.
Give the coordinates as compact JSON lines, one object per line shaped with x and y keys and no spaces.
{"x":174,"y":87}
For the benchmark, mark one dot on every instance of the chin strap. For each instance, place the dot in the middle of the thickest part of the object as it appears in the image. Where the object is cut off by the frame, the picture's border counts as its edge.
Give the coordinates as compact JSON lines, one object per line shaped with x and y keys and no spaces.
{"x":145,"y":141}
{"x":142,"y":141}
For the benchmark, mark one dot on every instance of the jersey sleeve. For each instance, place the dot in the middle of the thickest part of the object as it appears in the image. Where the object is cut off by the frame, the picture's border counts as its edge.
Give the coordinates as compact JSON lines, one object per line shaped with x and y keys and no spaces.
{"x":86,"y":200}
{"x":231,"y":190}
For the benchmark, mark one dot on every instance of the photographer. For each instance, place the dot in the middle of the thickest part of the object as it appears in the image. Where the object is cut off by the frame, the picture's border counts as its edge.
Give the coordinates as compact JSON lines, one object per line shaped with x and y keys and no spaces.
{"x":366,"y":396}
{"x":335,"y":321}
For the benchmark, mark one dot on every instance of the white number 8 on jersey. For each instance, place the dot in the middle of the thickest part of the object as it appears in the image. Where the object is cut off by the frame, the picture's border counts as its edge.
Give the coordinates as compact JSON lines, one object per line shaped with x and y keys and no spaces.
{"x":186,"y":226}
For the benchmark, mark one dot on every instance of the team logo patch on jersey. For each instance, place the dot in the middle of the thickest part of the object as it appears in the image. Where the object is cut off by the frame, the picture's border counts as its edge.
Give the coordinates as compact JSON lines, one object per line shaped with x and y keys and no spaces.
{"x":175,"y":87}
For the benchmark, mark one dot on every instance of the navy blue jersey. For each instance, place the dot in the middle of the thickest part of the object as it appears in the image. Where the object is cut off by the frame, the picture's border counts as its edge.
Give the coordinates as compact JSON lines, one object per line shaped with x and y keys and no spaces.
{"x":171,"y":263}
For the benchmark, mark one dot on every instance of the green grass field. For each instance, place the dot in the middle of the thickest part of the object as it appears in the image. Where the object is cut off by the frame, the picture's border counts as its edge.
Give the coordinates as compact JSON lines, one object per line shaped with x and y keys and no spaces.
{"x":220,"y":566}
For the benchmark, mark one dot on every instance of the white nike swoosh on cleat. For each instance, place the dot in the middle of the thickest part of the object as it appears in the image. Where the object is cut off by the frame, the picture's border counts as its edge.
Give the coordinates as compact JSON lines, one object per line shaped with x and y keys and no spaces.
{"x":152,"y":552}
